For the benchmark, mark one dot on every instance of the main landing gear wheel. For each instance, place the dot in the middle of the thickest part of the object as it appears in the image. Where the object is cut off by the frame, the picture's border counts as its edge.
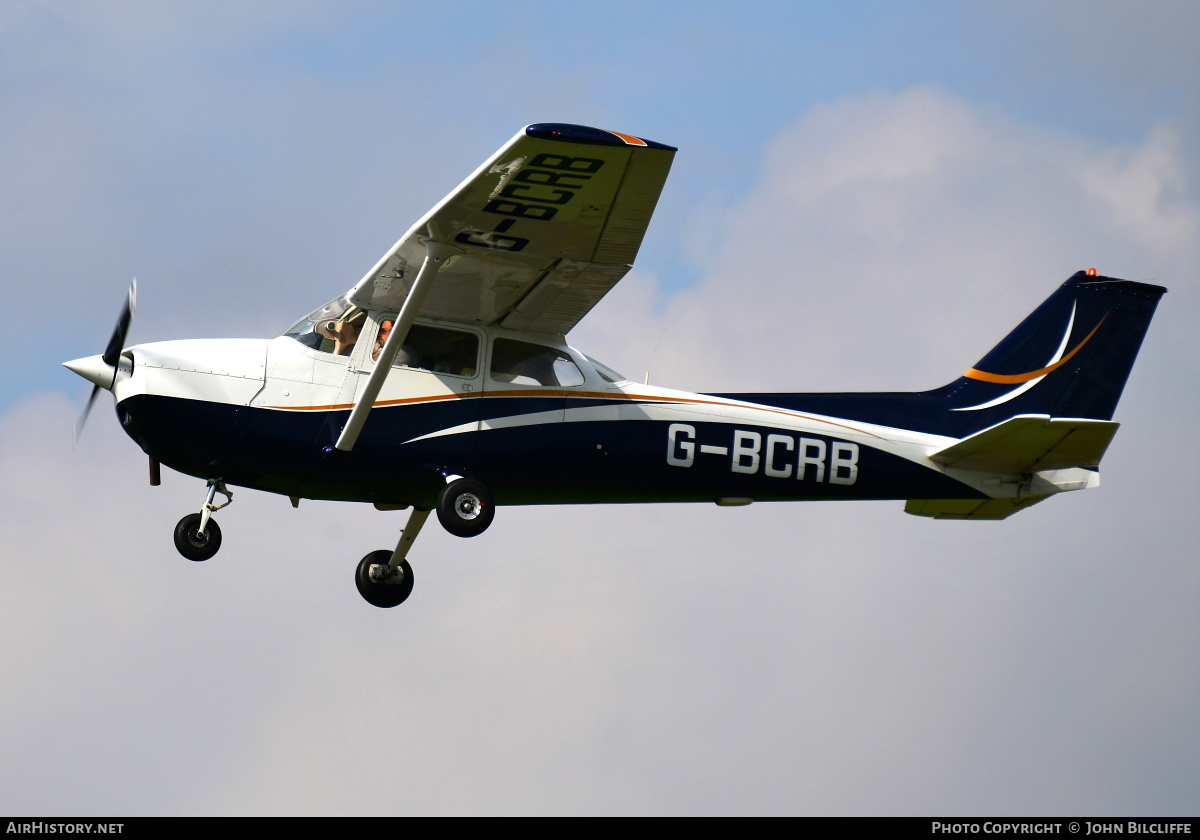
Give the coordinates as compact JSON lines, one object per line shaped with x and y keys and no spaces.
{"x":382,"y":591}
{"x":191,"y":543}
{"x":465,"y":507}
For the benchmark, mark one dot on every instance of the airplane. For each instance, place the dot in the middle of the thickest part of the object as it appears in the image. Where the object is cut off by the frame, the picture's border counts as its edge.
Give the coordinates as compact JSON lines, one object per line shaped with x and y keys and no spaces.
{"x":442,"y":381}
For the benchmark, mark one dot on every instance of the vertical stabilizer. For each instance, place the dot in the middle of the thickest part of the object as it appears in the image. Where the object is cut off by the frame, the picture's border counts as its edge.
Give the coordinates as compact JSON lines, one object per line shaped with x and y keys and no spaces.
{"x":1069,"y":358}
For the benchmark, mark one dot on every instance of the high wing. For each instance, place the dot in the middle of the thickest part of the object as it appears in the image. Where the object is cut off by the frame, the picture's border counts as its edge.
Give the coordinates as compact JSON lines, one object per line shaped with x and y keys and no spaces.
{"x":536,"y":236}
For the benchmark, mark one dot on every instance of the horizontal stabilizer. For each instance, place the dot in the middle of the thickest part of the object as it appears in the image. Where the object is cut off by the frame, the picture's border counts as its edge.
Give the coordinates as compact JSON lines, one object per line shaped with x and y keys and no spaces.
{"x":1030,"y":443}
{"x":969,"y":508}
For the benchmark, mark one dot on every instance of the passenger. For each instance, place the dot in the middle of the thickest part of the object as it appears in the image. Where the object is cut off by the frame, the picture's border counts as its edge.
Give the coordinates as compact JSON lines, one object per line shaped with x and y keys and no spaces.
{"x":385,"y":329}
{"x":407,"y":357}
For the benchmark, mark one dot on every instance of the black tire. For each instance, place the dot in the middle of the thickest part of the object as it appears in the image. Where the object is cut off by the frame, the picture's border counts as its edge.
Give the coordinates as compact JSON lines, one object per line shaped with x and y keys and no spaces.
{"x":191,"y":544}
{"x":382,"y":594}
{"x":465,"y":507}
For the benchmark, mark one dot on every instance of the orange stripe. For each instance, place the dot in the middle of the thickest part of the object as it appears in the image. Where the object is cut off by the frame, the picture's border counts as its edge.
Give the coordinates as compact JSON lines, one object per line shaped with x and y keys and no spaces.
{"x":341,"y":406}
{"x":578,"y":395}
{"x":1018,"y":378}
{"x":628,"y":138}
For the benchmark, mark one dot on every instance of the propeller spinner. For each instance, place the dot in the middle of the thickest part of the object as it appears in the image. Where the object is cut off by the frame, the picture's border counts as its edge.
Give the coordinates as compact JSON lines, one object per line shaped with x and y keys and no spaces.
{"x":101,"y":370}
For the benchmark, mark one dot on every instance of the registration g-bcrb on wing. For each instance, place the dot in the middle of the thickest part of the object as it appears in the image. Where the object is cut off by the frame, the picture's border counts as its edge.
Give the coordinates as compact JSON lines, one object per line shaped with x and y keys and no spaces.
{"x":537,"y":235}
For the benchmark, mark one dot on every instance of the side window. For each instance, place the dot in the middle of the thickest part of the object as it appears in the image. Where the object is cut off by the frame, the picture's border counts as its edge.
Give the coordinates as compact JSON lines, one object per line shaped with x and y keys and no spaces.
{"x":433,"y":349}
{"x":523,"y":363}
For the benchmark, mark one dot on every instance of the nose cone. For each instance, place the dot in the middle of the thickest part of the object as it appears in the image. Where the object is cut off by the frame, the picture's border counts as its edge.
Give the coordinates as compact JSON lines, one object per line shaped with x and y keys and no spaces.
{"x":94,"y":370}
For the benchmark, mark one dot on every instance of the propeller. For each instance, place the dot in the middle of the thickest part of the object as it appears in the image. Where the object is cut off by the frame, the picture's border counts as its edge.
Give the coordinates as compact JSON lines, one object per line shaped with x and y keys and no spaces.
{"x":101,"y":370}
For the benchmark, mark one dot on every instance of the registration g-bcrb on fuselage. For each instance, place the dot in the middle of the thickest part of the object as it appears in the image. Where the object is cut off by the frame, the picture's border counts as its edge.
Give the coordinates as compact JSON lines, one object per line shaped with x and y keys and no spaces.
{"x":443,"y":381}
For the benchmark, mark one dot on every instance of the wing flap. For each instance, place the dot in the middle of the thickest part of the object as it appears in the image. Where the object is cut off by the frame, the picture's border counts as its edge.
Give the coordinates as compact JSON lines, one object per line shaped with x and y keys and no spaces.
{"x":1030,"y":443}
{"x":635,"y":201}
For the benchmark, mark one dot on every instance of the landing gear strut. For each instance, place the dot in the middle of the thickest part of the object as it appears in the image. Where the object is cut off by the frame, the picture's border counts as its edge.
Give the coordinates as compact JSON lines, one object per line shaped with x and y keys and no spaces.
{"x":197,"y":536}
{"x":465,"y":509}
{"x":383,"y":577}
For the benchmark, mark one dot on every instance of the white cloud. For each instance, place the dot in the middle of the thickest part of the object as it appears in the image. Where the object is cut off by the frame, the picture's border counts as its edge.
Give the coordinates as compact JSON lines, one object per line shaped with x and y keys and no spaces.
{"x":892,"y":240}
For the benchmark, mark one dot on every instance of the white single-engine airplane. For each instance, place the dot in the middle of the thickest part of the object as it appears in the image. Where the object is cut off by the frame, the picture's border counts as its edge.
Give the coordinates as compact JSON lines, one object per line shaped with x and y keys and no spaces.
{"x":443,"y":381}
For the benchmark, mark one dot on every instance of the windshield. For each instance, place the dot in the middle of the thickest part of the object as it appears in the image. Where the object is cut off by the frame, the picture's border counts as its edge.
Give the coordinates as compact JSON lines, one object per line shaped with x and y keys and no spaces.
{"x":333,"y":328}
{"x":606,"y":373}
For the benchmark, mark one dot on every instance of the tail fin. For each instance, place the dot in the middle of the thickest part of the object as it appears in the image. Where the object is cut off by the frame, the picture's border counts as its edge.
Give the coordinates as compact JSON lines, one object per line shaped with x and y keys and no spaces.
{"x":1040,"y":404}
{"x":1069,"y":358}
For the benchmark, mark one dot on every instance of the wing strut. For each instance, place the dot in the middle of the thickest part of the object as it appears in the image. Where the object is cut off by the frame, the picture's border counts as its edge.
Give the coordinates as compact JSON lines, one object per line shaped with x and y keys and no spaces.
{"x":435,"y":257}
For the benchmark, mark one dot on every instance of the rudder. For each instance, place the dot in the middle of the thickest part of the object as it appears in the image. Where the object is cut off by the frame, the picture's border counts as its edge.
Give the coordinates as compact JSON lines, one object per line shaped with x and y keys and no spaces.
{"x":1069,"y":358}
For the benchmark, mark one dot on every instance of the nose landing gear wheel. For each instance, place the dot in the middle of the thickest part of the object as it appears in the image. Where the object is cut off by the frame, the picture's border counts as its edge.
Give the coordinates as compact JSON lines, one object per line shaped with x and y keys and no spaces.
{"x":191,"y":543}
{"x":382,"y":592}
{"x":465,"y":507}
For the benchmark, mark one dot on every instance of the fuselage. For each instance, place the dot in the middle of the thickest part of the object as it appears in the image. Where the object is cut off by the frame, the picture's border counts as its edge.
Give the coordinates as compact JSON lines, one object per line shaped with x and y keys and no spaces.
{"x":442,"y":381}
{"x":538,"y":427}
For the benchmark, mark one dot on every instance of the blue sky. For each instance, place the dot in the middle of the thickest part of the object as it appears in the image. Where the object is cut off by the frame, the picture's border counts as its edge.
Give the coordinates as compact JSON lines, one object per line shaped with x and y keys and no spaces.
{"x":162,"y":137}
{"x":866,"y":196}
{"x":1051,"y":63}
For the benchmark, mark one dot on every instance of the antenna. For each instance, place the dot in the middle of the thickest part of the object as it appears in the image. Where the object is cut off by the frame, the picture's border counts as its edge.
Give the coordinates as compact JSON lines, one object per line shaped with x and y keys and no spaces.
{"x":654,"y":352}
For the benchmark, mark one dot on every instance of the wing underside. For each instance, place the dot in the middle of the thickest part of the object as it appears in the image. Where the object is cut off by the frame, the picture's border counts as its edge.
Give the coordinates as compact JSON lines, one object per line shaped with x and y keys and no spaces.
{"x":539,"y":233}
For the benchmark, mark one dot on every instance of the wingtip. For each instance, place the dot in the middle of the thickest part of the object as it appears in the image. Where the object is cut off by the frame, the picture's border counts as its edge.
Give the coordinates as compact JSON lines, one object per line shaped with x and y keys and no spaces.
{"x":586,"y":134}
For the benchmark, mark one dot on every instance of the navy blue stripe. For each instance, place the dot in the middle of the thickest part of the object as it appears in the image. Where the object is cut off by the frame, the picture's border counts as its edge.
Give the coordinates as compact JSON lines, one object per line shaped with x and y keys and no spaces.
{"x":601,"y":461}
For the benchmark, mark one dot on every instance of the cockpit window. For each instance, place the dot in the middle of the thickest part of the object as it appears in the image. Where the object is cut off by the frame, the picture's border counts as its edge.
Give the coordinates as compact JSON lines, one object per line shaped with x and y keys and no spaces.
{"x":523,"y":363}
{"x":334,"y":328}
